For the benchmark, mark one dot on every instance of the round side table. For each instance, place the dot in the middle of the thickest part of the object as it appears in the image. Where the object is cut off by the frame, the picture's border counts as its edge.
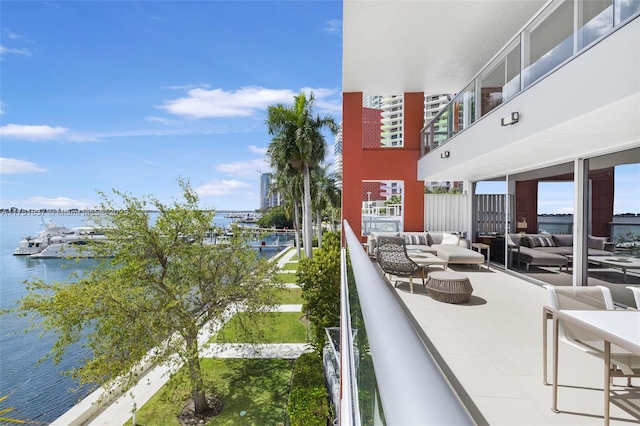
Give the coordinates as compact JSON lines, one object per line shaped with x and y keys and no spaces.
{"x":449,"y":287}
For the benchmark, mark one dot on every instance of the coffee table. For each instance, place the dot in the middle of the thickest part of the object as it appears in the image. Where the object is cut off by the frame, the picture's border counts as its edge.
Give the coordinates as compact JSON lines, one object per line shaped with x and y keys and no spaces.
{"x":622,"y":263}
{"x":425,"y":259}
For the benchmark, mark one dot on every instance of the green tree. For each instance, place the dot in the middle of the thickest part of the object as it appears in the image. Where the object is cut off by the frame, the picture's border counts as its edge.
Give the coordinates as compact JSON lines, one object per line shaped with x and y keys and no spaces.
{"x":324,"y":195}
{"x":395,"y":199}
{"x":275,"y":217}
{"x":298,"y":143}
{"x":162,"y":286}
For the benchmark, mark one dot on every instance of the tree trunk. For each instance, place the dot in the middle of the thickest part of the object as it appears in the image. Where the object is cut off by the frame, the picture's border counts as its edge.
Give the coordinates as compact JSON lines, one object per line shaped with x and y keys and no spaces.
{"x":296,"y":225}
{"x":306,"y":211}
{"x":195,"y":377}
{"x":319,"y":224}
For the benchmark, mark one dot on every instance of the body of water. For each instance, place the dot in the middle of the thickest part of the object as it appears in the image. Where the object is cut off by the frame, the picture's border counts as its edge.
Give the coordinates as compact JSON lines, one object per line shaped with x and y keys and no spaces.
{"x":38,"y":391}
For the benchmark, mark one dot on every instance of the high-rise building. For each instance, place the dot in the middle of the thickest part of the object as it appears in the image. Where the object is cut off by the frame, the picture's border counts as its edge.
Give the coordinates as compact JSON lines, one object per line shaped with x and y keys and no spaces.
{"x":267,"y":197}
{"x":337,"y":155}
{"x":391,"y":123}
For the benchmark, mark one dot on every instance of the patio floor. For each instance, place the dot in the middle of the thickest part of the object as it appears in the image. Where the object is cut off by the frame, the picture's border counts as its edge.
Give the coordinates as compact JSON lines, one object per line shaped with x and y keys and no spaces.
{"x":491,"y":350}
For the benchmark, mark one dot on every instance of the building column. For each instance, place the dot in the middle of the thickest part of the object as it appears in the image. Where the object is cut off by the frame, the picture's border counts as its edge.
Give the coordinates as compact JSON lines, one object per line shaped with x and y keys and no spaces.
{"x":351,"y":157}
{"x":580,"y":222}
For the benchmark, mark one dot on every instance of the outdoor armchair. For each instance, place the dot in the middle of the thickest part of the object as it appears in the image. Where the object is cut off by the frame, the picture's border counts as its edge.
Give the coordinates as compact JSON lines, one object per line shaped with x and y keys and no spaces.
{"x":636,"y":295}
{"x":393,"y":259}
{"x":624,"y":364}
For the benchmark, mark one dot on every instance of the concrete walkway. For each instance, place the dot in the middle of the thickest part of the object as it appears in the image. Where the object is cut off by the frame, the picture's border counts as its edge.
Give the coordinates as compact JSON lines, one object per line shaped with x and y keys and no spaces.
{"x":115,"y":411}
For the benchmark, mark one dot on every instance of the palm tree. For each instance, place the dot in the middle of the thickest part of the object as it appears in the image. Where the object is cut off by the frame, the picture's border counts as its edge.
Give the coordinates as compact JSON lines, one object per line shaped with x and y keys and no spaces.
{"x":298,"y":143}
{"x":289,"y":185}
{"x":324,"y":194}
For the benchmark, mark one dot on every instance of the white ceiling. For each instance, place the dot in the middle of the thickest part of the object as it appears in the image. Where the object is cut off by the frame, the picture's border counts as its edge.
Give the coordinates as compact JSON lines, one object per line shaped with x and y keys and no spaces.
{"x":396,"y":46}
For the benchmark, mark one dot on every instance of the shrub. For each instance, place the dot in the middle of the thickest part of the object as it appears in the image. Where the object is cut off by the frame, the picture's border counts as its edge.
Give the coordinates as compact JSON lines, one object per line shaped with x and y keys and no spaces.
{"x":308,"y":400}
{"x":321,"y":290}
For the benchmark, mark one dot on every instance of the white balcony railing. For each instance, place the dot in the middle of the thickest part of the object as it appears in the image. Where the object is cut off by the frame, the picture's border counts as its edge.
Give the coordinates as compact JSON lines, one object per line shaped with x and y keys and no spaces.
{"x":388,"y":375}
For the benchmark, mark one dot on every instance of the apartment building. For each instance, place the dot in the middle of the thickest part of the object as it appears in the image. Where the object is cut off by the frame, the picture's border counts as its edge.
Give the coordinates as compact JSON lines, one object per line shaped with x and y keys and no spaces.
{"x":545,"y":91}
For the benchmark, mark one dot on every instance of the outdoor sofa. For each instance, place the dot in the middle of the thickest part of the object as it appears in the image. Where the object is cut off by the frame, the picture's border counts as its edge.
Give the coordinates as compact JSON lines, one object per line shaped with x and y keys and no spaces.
{"x":550,"y":249}
{"x":446,"y":246}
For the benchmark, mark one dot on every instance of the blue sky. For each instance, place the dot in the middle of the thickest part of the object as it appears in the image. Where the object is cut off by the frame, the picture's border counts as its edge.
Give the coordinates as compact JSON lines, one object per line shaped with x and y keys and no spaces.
{"x":132,"y":95}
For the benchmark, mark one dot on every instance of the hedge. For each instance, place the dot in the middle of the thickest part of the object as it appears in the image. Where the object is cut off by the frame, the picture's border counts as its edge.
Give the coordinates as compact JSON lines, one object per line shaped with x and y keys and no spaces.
{"x":308,"y":399}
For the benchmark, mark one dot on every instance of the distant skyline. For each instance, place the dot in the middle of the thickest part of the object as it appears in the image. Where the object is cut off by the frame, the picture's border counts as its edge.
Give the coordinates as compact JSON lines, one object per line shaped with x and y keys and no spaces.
{"x":557,"y":197}
{"x":133,"y":95}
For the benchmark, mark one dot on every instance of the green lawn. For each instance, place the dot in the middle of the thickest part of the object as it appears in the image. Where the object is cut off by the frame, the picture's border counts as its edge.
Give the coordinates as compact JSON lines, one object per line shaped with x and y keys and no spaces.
{"x":287,"y":278}
{"x":303,"y":255}
{"x":290,"y":296}
{"x":256,"y":388}
{"x":275,"y":327}
{"x":290,"y":266}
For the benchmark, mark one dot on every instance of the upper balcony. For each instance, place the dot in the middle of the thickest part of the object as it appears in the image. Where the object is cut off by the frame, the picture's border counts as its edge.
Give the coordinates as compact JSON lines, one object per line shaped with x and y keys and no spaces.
{"x":569,"y":80}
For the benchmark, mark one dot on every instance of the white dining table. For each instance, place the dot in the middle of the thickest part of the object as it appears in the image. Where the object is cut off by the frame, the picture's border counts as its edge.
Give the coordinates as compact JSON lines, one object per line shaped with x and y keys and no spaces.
{"x":618,"y":327}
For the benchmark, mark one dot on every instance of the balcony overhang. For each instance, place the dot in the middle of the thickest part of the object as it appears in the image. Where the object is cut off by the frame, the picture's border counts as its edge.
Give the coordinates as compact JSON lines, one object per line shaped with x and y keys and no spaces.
{"x":587,"y":108}
{"x":434,"y":47}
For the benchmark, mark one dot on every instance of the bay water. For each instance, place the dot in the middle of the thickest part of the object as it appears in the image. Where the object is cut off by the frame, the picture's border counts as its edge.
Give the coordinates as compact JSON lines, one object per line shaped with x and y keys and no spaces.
{"x":38,"y":391}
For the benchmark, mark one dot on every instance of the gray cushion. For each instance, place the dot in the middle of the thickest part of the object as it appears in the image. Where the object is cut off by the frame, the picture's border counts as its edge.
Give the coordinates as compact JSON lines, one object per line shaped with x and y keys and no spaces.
{"x":596,"y":242}
{"x":539,"y":257}
{"x":563,"y":240}
{"x":458,"y":254}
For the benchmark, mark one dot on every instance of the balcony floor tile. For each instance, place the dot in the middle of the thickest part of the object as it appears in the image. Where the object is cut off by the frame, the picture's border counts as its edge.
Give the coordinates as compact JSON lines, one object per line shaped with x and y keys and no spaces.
{"x":492,"y":345}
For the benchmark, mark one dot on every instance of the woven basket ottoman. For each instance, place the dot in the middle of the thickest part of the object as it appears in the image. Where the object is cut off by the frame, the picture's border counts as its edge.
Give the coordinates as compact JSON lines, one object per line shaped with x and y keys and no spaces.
{"x":449,"y":287}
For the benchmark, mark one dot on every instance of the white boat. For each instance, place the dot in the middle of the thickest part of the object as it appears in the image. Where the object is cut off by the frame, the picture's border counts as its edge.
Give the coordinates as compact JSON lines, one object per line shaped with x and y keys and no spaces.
{"x":71,"y":245}
{"x":34,"y":245}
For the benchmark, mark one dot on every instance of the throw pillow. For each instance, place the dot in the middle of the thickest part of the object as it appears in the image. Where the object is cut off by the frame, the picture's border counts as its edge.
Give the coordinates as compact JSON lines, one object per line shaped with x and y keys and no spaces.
{"x":541,"y":242}
{"x":450,"y":239}
{"x":415,"y":239}
{"x":597,"y":243}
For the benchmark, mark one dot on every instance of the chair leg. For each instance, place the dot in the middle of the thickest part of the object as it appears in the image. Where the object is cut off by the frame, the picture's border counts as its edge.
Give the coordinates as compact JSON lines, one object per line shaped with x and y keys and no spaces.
{"x":411,"y":283}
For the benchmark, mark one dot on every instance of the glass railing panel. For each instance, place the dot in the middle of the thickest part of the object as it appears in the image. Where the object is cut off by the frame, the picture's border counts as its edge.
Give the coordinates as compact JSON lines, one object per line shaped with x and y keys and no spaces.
{"x":550,"y":42}
{"x":553,"y":37}
{"x":625,"y":9}
{"x":501,"y":80}
{"x":370,"y":409}
{"x":512,"y":70}
{"x":596,"y":18}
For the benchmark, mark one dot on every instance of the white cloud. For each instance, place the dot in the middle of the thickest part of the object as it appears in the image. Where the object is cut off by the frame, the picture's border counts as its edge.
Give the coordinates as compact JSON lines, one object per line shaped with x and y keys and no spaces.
{"x":222,"y":187}
{"x":58,"y":203}
{"x":9,"y":51}
{"x":328,"y":101}
{"x":189,"y":86}
{"x":32,"y":132}
{"x":201,"y":103}
{"x":163,"y":121}
{"x":14,"y":166}
{"x":249,"y":168}
{"x":10,"y":34}
{"x":43,"y":133}
{"x":244,"y":102}
{"x":333,"y":26}
{"x":257,"y":150}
